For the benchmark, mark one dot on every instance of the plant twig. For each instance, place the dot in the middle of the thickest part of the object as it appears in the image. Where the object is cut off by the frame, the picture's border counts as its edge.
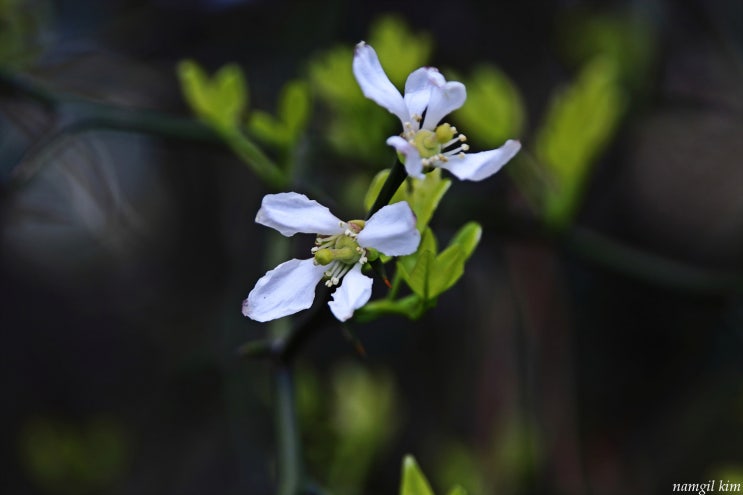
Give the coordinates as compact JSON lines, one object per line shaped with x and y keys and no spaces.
{"x":389,"y":188}
{"x":287,"y":432}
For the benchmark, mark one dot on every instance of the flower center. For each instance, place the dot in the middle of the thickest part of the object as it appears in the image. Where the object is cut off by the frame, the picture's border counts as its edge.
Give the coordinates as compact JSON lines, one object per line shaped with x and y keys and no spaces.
{"x":436,"y":145}
{"x":339,"y":252}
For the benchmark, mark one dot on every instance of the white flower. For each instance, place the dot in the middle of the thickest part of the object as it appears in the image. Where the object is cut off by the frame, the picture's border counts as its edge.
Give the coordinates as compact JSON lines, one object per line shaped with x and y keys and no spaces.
{"x":340,"y":251}
{"x":428,"y":99}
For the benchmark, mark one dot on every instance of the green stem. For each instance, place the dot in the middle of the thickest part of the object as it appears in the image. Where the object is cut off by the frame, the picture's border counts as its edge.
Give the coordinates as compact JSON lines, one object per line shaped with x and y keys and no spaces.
{"x":396,"y":177}
{"x":251,"y":154}
{"x":649,"y":267}
{"x":92,"y":115}
{"x":287,"y":433}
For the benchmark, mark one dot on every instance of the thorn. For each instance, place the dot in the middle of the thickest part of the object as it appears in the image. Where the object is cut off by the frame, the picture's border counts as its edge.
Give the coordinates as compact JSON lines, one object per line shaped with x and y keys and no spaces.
{"x":387,"y":282}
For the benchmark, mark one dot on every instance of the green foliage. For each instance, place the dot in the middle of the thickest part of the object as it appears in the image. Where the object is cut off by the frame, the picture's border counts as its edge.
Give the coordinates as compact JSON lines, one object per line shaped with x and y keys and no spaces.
{"x":220,"y":100}
{"x":67,"y":459}
{"x":629,"y":40}
{"x":494,"y":111}
{"x":357,"y":125}
{"x":284,"y":130}
{"x":414,"y":482}
{"x":456,"y":463}
{"x":579,"y":124}
{"x":360,"y":418}
{"x":423,"y":195}
{"x":428,"y":273}
{"x":400,"y":50}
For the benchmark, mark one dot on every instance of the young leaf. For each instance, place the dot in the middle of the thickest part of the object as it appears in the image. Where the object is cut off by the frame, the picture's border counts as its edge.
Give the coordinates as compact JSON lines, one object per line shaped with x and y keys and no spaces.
{"x":446,"y":270}
{"x":400,"y":50}
{"x":428,"y":243}
{"x":219,"y":101}
{"x":494,"y":110}
{"x":410,"y":306}
{"x":375,"y":187}
{"x":417,"y":278}
{"x":229,"y":95}
{"x":426,"y":195}
{"x":195,"y":87}
{"x":423,"y":195}
{"x":467,"y":238}
{"x":269,"y":130}
{"x":414,"y":481}
{"x":590,"y":109}
{"x":294,"y":106}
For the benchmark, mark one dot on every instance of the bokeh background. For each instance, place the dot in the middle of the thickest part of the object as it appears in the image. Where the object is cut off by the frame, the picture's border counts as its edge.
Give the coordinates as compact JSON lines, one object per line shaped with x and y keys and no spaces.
{"x":594,"y":345}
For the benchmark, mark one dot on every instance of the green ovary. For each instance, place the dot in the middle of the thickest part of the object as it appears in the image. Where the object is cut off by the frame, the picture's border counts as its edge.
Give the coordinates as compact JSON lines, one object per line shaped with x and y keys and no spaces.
{"x":429,"y":143}
{"x":345,"y":249}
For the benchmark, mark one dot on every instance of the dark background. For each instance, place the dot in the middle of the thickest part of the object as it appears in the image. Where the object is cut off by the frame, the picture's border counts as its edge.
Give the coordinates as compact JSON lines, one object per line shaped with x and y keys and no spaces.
{"x":125,"y":261}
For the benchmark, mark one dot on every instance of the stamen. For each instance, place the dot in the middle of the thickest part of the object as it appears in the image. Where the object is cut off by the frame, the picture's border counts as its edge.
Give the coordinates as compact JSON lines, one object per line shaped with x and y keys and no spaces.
{"x":464,"y":147}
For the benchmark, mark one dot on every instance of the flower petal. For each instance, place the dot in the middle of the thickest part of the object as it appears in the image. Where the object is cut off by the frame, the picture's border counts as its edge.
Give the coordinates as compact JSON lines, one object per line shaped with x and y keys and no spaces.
{"x":445,"y":98}
{"x":288,"y":288}
{"x":391,"y":230}
{"x":413,"y":165}
{"x":418,"y":90}
{"x":479,"y":166}
{"x":353,"y":293}
{"x":375,"y":84}
{"x":291,"y":212}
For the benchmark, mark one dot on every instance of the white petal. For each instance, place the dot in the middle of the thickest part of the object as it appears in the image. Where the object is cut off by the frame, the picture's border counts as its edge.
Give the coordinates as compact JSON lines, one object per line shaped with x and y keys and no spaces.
{"x":479,"y":166}
{"x":391,"y":230}
{"x":290,"y":213}
{"x":353,"y":293}
{"x":375,"y":84}
{"x":288,"y":288}
{"x":418,"y":90}
{"x":413,"y":165}
{"x":445,"y":99}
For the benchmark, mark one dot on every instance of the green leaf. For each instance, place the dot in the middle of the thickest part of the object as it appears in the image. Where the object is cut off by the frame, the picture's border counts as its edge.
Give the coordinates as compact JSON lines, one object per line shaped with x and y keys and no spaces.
{"x":374,"y":188}
{"x":423,"y":195}
{"x":457,"y":490}
{"x":417,"y":278}
{"x":332,"y":79}
{"x":428,"y":243}
{"x":410,"y":306}
{"x":220,"y":101}
{"x":579,"y":124}
{"x":494,"y":111}
{"x":229,"y":95}
{"x":266,"y":128}
{"x":414,"y":481}
{"x":195,"y":86}
{"x":426,"y":195}
{"x":399,"y":49}
{"x":446,"y":270}
{"x":294,"y":106}
{"x":467,"y":238}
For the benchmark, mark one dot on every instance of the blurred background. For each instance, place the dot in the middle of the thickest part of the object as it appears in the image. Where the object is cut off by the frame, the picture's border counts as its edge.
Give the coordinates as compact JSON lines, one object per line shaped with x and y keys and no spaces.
{"x":593,"y":346}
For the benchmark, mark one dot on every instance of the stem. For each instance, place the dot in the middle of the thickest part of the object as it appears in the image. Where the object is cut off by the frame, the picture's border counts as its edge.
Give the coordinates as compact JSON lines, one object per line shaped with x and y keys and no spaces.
{"x":389,"y":188}
{"x":649,"y":267}
{"x":287,"y":432}
{"x":95,"y":115}
{"x":263,"y":166}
